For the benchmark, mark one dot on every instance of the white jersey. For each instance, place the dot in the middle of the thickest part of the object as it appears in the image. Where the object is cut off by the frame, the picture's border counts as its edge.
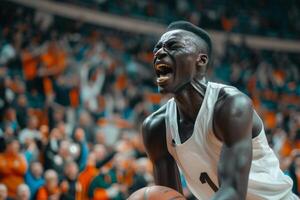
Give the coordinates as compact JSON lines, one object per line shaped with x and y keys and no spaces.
{"x":198,"y":157}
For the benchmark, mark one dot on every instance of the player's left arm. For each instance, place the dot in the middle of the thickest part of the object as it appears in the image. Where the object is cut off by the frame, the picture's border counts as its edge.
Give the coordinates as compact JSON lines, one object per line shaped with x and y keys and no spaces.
{"x":233,"y":125}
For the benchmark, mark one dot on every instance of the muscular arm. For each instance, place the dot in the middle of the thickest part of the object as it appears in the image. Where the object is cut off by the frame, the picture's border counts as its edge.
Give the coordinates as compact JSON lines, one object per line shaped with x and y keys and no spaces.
{"x":165,"y":169}
{"x":233,"y":125}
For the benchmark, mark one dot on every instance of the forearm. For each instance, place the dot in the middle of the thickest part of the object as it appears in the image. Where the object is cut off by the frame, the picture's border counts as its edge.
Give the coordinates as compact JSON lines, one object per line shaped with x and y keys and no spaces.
{"x":226,"y":193}
{"x":83,"y":156}
{"x":234,"y":170}
{"x":166,"y":173}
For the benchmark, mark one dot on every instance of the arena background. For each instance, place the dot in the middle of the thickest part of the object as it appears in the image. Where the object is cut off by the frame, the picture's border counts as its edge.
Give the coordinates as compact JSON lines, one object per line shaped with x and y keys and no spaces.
{"x":76,"y":81}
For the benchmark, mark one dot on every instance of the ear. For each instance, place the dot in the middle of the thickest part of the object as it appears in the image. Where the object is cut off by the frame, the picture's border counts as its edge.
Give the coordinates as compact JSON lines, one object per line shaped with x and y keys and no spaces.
{"x":202,"y":60}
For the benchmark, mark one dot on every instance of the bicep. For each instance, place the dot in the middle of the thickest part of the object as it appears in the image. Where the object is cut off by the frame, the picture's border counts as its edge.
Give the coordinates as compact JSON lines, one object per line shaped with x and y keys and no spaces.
{"x":166,"y":173}
{"x":233,"y":119}
{"x":165,"y":170}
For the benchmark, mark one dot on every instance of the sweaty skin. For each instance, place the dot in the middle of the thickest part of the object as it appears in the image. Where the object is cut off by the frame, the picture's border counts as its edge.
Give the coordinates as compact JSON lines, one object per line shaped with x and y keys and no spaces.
{"x":235,"y":122}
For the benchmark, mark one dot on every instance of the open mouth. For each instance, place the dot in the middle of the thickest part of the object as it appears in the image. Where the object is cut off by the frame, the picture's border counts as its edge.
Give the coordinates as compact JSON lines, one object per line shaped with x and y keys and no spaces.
{"x":163,"y":72}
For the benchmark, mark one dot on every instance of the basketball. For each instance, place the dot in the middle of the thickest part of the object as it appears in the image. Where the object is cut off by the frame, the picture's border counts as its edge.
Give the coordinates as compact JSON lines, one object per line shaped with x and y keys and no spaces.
{"x":156,"y":192}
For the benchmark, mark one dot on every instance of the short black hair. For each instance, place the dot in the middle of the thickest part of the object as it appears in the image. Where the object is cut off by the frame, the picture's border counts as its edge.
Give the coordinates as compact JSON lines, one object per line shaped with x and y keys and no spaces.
{"x":187,"y":26}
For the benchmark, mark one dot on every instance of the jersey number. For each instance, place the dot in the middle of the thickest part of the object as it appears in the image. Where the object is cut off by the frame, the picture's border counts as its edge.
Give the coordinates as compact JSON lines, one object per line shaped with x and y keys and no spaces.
{"x":204,"y":178}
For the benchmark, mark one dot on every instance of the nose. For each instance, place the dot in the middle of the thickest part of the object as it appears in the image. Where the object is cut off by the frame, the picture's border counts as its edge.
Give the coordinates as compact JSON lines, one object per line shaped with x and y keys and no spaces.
{"x":161,"y":53}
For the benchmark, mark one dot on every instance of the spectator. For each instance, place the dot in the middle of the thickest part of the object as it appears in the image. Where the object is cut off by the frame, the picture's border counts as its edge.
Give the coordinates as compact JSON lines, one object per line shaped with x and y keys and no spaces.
{"x":30,"y":132}
{"x":86,"y":176}
{"x":71,"y":188}
{"x":50,"y":190}
{"x":79,"y":137}
{"x":53,"y":62}
{"x":52,"y":148}
{"x":86,"y":123}
{"x":142,"y":176}
{"x":297,"y":173}
{"x":22,"y":110}
{"x":23,"y":192}
{"x":12,"y":167}
{"x":34,"y":177}
{"x":3,"y":192}
{"x":112,"y":182}
{"x":294,"y":170}
{"x":63,"y":156}
{"x":10,"y":121}
{"x":92,"y":80}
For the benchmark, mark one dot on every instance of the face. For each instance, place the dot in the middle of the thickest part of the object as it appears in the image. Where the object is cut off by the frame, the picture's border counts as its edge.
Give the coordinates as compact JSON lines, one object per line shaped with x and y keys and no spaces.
{"x":99,"y":151}
{"x":79,"y":134}
{"x":22,"y":101}
{"x":64,"y":150}
{"x":51,"y":182}
{"x":91,"y":159}
{"x":297,"y":162}
{"x":71,"y":171}
{"x":33,"y":122}
{"x":23,"y":193}
{"x":13,"y":148}
{"x":175,"y":60}
{"x":36,"y":169}
{"x":11,"y":114}
{"x":3,"y":191}
{"x":122,"y":162}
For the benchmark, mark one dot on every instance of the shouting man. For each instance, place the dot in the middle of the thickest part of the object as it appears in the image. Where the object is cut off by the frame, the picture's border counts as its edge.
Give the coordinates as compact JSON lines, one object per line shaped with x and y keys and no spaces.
{"x":209,"y":130}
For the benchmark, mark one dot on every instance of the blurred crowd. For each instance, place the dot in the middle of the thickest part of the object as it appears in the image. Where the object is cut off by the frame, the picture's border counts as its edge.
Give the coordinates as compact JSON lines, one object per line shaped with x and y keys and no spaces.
{"x":73,"y":96}
{"x":241,"y":16}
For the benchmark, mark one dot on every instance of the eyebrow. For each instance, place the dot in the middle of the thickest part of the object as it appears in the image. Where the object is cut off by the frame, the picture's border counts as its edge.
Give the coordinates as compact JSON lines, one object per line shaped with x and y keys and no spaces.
{"x":172,"y":40}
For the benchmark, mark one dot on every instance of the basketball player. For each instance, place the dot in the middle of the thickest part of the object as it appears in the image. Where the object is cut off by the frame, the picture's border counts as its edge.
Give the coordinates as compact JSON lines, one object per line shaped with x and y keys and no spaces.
{"x":209,"y":130}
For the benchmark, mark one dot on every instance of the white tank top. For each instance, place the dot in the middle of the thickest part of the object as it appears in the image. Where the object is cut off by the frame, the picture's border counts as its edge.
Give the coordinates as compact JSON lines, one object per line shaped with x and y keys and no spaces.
{"x":198,"y":157}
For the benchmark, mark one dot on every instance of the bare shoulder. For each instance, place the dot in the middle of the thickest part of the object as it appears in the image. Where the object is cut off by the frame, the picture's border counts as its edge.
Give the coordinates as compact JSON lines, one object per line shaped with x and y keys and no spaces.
{"x":233,"y":99}
{"x":154,"y":134}
{"x":238,"y":100}
{"x":233,"y":115}
{"x":154,"y":121}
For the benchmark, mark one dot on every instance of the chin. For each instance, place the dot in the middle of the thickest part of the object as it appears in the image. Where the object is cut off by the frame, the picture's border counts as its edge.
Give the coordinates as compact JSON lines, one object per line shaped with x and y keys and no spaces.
{"x":165,"y":90}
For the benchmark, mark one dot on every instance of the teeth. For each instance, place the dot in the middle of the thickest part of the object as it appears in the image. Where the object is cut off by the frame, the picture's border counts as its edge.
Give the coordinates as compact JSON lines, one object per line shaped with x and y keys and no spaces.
{"x":162,"y":79}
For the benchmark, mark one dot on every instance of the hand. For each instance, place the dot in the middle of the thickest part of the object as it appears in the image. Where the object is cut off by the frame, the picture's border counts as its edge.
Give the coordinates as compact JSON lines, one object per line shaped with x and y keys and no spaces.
{"x":79,"y":134}
{"x":113,"y":191}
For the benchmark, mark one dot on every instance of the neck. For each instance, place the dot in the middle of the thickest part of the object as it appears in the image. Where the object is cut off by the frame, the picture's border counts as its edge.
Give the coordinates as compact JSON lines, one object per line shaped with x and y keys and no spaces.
{"x":189,"y":99}
{"x":12,"y":154}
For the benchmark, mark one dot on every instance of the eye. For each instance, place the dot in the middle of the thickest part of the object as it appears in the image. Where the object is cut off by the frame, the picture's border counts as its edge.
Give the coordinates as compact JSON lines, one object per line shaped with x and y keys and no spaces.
{"x":173,"y":45}
{"x":156,"y":48}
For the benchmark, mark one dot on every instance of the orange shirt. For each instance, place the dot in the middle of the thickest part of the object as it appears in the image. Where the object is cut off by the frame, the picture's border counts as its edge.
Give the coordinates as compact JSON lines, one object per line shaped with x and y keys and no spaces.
{"x":85,"y":178}
{"x":44,"y":194}
{"x":100,"y":194}
{"x":121,"y":82}
{"x":12,"y":171}
{"x":288,"y":146}
{"x":29,"y":64}
{"x":54,"y":59}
